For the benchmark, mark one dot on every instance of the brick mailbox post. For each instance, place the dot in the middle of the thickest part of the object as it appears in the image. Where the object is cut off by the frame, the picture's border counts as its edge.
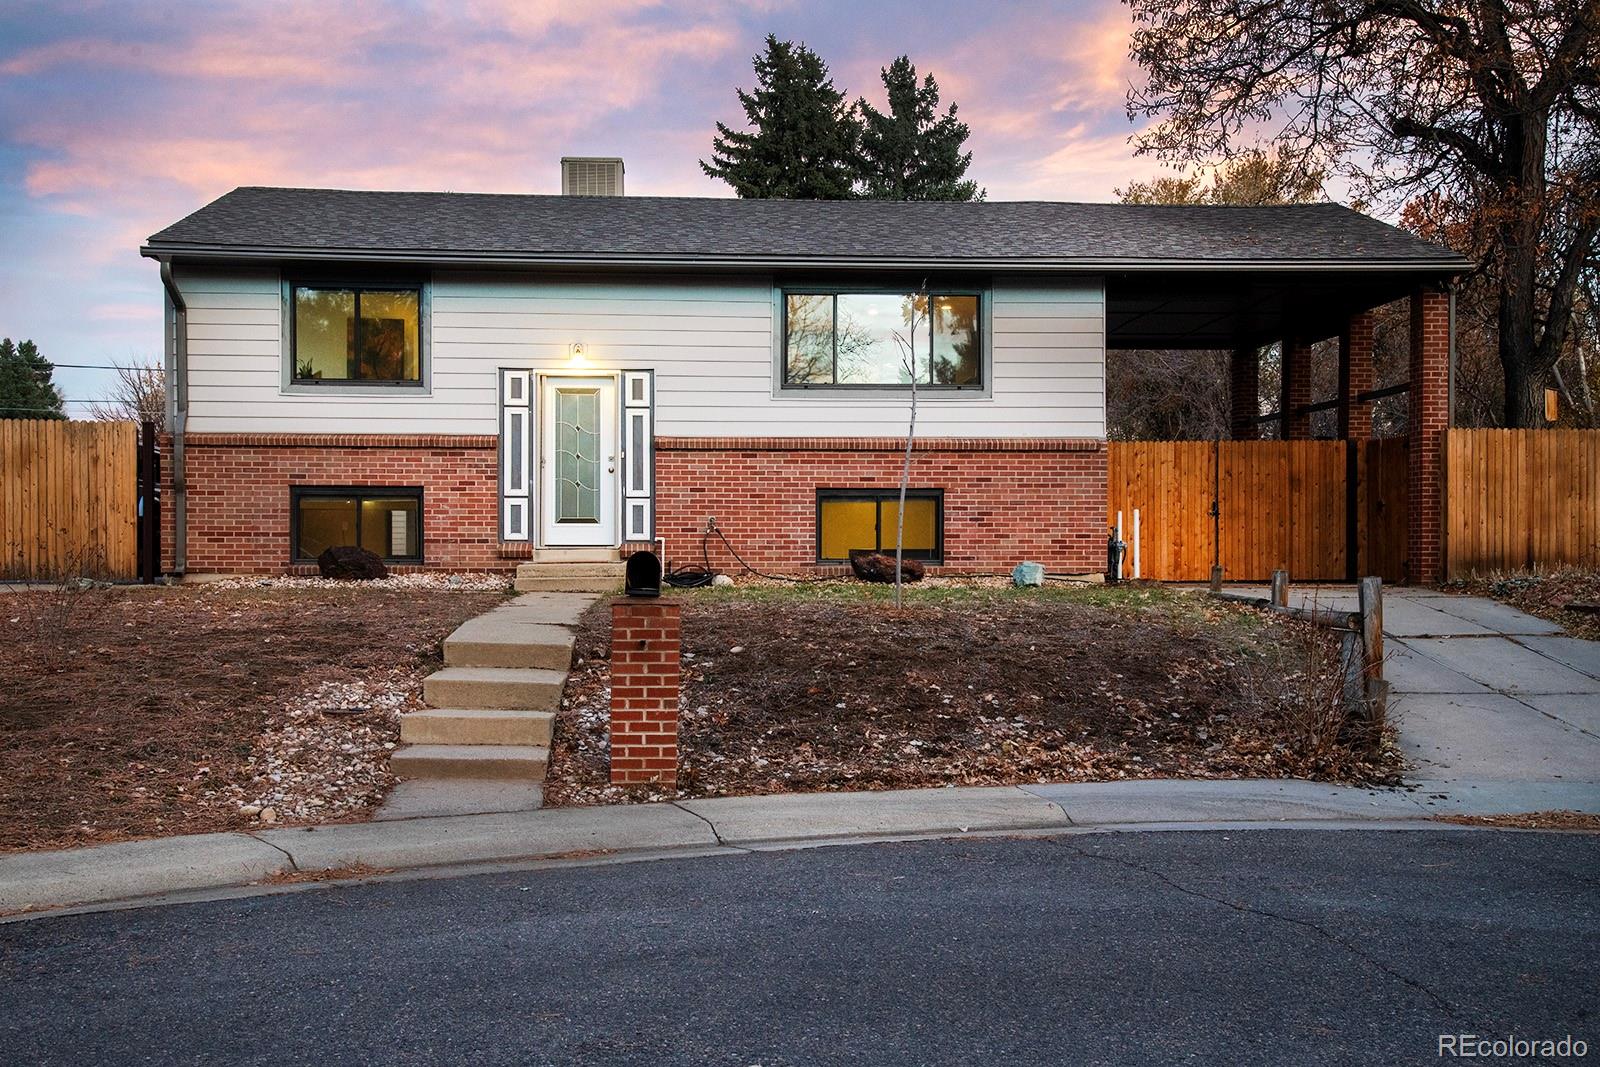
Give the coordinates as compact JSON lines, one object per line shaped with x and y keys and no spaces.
{"x":645,"y":642}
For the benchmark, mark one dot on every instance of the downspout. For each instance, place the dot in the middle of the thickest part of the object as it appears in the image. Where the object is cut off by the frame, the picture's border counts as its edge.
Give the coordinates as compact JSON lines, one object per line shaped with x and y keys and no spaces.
{"x":179,"y":348}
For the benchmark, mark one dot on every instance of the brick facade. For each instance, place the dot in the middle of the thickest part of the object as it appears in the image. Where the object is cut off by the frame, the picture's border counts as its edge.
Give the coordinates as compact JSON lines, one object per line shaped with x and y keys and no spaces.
{"x":1005,"y":500}
{"x":239,"y":495}
{"x":1429,"y":418}
{"x":646,"y":638}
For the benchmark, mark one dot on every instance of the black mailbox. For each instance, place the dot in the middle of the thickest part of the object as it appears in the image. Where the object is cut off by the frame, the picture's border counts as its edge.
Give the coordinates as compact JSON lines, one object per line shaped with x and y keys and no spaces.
{"x":642,"y":575}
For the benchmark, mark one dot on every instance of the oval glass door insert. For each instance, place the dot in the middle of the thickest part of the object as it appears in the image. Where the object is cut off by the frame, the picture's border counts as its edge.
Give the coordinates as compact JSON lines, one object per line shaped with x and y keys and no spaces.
{"x":577,"y":456}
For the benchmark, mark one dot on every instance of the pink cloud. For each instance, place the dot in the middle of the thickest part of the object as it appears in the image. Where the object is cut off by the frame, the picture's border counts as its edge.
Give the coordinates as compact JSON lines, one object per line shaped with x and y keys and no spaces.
{"x":125,"y":312}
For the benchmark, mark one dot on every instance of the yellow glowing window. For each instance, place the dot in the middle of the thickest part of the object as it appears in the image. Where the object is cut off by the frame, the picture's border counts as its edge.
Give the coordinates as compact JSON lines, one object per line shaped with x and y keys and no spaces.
{"x":852,"y":521}
{"x":357,"y":335}
{"x":387,"y":522}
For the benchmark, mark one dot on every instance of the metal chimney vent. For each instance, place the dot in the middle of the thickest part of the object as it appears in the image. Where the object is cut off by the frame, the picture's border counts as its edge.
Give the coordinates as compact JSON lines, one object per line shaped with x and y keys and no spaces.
{"x":591,"y":176}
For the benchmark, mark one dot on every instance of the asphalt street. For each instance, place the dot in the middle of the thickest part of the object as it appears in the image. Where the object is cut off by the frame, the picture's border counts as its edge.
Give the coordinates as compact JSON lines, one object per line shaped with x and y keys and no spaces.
{"x":1237,"y":947}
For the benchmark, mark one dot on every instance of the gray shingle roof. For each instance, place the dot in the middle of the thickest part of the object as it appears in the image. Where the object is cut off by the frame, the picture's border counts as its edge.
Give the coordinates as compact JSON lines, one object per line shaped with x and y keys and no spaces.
{"x":474,"y":227}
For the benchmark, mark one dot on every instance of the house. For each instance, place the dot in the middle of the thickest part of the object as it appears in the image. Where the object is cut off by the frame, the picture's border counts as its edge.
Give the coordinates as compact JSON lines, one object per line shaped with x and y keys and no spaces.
{"x":465,"y":381}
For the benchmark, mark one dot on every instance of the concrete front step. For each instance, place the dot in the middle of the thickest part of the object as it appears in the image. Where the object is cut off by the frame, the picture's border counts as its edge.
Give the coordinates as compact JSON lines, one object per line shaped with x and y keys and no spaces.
{"x":470,"y":761}
{"x":496,"y":640}
{"x":555,"y":609}
{"x":432,"y":797}
{"x":575,"y":555}
{"x":612,"y":569}
{"x":524,"y":688}
{"x":476,"y":726}
{"x":568,"y":585}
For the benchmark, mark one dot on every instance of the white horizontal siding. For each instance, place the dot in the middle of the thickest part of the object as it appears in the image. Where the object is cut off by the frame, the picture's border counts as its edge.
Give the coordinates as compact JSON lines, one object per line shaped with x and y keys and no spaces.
{"x":710,"y":341}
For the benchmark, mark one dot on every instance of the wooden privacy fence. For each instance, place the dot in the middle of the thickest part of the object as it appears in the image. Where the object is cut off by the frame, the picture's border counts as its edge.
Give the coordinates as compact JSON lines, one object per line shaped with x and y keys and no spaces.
{"x":68,"y":499}
{"x":1518,"y":499}
{"x":1308,"y":507}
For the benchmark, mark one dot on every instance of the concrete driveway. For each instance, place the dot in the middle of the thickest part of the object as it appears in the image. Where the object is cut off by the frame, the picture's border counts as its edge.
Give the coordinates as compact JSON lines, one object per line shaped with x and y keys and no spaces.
{"x":1489,"y":701}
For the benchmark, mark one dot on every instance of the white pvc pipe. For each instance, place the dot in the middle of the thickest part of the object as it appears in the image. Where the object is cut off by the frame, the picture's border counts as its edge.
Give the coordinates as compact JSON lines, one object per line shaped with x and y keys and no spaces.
{"x":1135,"y":544}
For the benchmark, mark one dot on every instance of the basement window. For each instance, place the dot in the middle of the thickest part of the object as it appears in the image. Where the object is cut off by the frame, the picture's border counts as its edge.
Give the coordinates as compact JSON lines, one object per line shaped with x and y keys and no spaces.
{"x":851,"y":520}
{"x":384,"y":521}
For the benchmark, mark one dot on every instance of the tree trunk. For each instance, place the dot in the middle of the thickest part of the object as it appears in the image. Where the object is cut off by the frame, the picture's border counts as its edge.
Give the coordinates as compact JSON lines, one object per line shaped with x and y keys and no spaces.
{"x":1519,"y":232}
{"x":1524,"y":405}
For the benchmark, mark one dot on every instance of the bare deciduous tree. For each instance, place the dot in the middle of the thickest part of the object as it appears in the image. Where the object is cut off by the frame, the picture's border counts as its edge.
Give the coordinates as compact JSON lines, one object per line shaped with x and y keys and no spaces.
{"x":139,"y":394}
{"x":1492,"y":105}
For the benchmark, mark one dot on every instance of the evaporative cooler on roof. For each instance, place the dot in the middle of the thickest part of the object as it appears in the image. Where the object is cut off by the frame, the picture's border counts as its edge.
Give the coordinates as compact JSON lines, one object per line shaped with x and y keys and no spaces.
{"x":591,"y":176}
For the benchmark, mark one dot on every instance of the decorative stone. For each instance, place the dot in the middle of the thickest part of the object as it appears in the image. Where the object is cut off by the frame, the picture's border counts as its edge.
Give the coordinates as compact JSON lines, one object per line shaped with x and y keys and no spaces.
{"x":879,"y":567}
{"x":1027,"y":573}
{"x":348,"y":561}
{"x":721,"y":580}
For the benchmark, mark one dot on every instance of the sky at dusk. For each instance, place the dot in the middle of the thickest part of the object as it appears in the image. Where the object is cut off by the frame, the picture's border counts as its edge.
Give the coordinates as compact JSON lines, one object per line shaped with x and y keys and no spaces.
{"x":118,"y":118}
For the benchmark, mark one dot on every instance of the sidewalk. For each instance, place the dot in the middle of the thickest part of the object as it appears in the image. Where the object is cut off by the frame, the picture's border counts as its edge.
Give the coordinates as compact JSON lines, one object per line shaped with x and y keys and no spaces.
{"x":144,"y":869}
{"x":1488,"y":700}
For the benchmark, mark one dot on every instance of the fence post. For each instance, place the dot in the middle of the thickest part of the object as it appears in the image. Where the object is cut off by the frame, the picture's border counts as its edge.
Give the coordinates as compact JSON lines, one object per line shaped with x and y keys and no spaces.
{"x":1280,"y":588}
{"x":1370,"y":602}
{"x":149,"y":525}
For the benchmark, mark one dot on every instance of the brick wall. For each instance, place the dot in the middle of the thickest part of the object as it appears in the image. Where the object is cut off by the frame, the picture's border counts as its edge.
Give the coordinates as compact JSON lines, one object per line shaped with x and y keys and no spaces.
{"x":1429,"y":418}
{"x":239,"y":494}
{"x":646,"y":636}
{"x":1005,"y":500}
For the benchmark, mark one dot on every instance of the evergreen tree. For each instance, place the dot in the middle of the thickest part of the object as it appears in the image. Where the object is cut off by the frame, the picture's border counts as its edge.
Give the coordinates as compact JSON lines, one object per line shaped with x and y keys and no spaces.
{"x":802,"y":138}
{"x":26,"y":391}
{"x":913,"y":152}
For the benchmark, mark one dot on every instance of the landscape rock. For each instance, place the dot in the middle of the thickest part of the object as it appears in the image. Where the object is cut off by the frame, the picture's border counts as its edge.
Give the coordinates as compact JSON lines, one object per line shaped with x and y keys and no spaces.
{"x":879,"y":567}
{"x":721,"y":580}
{"x":1027,"y":573}
{"x":348,"y":561}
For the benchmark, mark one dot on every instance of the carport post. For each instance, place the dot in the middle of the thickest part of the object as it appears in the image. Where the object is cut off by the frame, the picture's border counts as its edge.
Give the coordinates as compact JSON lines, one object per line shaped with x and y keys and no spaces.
{"x":1357,"y":374}
{"x":1244,"y":375}
{"x":1426,"y":423}
{"x":1295,"y":420}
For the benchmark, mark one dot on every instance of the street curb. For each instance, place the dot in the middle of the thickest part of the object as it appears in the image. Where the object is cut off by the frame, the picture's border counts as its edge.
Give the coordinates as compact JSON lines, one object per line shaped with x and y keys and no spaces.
{"x":135,"y":870}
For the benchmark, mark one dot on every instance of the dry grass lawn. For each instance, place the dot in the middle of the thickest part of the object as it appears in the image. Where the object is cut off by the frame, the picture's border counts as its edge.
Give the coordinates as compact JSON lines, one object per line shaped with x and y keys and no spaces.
{"x":827,"y":687}
{"x":137,"y":712}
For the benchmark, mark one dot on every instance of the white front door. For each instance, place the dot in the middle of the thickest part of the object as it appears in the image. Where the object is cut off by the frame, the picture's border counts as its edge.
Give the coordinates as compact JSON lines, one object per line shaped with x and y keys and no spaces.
{"x":578,"y":461}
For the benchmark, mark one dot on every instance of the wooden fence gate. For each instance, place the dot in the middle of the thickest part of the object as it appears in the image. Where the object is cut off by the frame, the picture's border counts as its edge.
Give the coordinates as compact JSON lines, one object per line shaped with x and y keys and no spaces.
{"x":68,"y":499}
{"x":1310,"y":507}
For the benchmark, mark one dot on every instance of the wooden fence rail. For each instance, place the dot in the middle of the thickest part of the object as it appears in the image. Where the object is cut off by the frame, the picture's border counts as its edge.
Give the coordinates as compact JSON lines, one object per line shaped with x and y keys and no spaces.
{"x":1519,"y":499}
{"x":68,"y":499}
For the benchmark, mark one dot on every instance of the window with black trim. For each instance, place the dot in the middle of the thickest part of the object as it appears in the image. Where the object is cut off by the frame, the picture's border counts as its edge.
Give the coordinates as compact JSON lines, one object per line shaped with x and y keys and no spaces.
{"x":843,"y":339}
{"x":360,"y":333}
{"x":383,"y":520}
{"x":854,"y":520}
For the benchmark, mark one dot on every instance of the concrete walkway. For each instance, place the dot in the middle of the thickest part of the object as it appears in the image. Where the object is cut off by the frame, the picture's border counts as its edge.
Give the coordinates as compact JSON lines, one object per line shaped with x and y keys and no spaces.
{"x":1490,"y":702}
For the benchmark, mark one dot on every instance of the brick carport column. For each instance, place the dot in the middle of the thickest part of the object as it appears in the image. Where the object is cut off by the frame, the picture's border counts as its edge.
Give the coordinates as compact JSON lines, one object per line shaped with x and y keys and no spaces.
{"x":1357,"y":374}
{"x":1295,"y":374}
{"x":1427,"y":420}
{"x":1244,"y":375}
